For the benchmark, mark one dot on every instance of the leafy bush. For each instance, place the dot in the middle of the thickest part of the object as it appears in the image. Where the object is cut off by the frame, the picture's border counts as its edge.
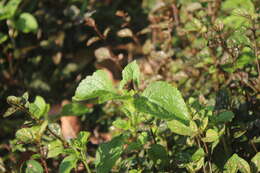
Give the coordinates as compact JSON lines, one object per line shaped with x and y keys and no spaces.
{"x":208,"y":49}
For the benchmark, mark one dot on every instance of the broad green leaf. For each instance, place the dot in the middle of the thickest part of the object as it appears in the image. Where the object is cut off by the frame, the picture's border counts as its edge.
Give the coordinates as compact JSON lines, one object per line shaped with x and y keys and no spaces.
{"x":8,"y":11}
{"x":235,"y":164}
{"x":26,"y":23}
{"x":211,"y":136}
{"x":108,"y":153}
{"x":179,"y":128}
{"x":224,"y":117}
{"x":255,"y":163}
{"x":130,"y":73}
{"x":76,"y":109}
{"x":162,"y":100}
{"x":54,"y":148}
{"x":229,"y":5}
{"x":27,"y":135}
{"x":157,"y":152}
{"x":68,"y":163}
{"x":33,"y":166}
{"x":96,"y":86}
{"x":3,"y":37}
{"x":198,"y":155}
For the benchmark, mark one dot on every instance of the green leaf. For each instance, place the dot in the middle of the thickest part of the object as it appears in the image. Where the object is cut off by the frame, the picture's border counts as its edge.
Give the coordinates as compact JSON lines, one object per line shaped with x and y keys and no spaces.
{"x":27,"y":135}
{"x":162,"y":100}
{"x":3,"y":37}
{"x":198,"y":155}
{"x":211,"y":136}
{"x":39,"y":108}
{"x":247,"y":57}
{"x":121,"y":124}
{"x":130,"y":73}
{"x":236,"y":22}
{"x":96,"y":86}
{"x":10,"y":111}
{"x":158,"y":152}
{"x":255,"y":163}
{"x":8,"y":11}
{"x":108,"y":153}
{"x":26,"y":23}
{"x":229,"y":5}
{"x":33,"y":166}
{"x":83,"y":137}
{"x":76,"y":109}
{"x":67,"y":164}
{"x":224,"y":117}
{"x":54,"y":148}
{"x":235,"y":164}
{"x":179,"y":128}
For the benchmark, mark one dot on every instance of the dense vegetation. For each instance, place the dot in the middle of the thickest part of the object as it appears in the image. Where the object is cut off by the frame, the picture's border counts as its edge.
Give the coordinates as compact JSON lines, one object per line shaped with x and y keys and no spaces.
{"x":173,"y":84}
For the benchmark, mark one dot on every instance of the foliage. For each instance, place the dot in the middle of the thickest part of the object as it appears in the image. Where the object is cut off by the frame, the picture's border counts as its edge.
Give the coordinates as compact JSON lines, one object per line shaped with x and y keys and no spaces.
{"x":187,"y":99}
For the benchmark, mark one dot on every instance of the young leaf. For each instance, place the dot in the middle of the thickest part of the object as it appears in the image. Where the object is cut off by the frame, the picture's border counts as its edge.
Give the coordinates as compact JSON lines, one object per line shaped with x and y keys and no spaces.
{"x":130,"y":72}
{"x":179,"y":128}
{"x":108,"y":153}
{"x":255,"y":163}
{"x":164,"y":101}
{"x":39,"y":108}
{"x":224,"y":117}
{"x":211,"y":136}
{"x":68,"y":163}
{"x":26,"y":23}
{"x":76,"y":109}
{"x":33,"y":166}
{"x":96,"y":86}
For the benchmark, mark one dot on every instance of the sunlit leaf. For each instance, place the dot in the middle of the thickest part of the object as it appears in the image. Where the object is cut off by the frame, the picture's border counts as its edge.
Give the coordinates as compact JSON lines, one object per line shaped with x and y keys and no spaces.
{"x":26,"y":23}
{"x":96,"y":86}
{"x":164,"y":101}
{"x":130,"y":73}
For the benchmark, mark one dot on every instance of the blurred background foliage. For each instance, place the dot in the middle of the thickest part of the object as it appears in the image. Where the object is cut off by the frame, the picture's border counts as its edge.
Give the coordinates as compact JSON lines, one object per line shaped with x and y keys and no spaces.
{"x":208,"y":49}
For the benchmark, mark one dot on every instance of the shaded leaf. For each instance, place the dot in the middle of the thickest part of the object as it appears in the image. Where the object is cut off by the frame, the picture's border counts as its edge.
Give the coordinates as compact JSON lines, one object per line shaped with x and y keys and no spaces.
{"x":108,"y":153}
{"x":33,"y":166}
{"x":67,"y":164}
{"x":224,"y":117}
{"x":74,"y":109}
